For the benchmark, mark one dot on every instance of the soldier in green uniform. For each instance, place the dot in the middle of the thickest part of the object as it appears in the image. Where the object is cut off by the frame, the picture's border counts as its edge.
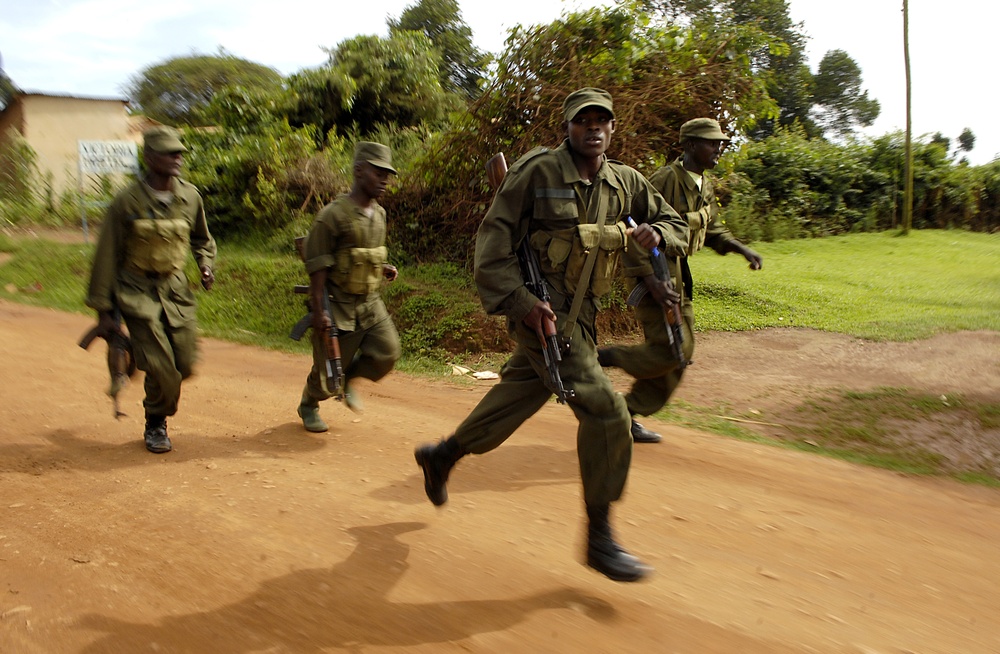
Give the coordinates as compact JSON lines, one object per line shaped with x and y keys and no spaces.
{"x":571,"y":204}
{"x":686,"y":186}
{"x":346,"y":258}
{"x":138,"y":271}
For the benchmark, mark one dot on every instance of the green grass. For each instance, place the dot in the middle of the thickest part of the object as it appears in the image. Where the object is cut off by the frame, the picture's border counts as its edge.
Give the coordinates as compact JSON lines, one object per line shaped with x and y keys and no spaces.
{"x":874,"y":286}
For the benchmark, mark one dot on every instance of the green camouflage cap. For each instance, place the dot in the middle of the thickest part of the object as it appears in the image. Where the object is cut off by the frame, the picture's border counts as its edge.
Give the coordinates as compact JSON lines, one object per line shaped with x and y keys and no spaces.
{"x":703,"y":128}
{"x":586,"y":97}
{"x":376,"y":154}
{"x":163,"y":139}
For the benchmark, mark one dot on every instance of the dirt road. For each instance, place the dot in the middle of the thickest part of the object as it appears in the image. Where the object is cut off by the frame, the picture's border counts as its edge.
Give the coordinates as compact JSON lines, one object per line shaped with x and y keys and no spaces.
{"x":255,"y":536}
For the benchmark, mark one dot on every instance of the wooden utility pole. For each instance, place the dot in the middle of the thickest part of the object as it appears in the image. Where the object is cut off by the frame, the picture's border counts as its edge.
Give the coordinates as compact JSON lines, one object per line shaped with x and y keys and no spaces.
{"x":908,"y":164}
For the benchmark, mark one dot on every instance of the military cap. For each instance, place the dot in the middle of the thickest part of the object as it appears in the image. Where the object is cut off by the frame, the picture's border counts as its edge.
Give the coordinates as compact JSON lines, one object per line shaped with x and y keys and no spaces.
{"x":703,"y":128}
{"x":586,"y":97}
{"x":163,"y":139}
{"x":376,"y":154}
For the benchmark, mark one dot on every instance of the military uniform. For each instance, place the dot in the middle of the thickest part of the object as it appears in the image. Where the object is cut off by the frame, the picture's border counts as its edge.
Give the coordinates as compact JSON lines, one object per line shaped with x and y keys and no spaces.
{"x":652,"y":362}
{"x":138,"y":268}
{"x":351,"y":246}
{"x":544,"y":200}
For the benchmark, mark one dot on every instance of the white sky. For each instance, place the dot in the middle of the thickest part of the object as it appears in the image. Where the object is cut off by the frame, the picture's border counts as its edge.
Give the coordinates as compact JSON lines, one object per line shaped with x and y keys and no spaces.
{"x":92,"y":47}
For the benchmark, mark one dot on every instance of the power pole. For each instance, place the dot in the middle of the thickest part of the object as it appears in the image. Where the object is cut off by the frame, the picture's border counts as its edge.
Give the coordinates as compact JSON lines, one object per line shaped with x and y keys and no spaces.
{"x":908,"y":165}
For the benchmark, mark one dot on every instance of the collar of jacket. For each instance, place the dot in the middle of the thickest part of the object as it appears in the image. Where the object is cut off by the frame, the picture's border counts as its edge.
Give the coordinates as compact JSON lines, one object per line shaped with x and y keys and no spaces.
{"x":571,"y":175}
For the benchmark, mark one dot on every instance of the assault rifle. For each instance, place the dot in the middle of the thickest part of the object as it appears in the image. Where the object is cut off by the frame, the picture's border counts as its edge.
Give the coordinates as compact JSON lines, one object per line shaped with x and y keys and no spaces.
{"x":531,"y":271}
{"x":334,"y":367}
{"x":333,"y":382}
{"x":121,"y":362}
{"x":671,"y":312}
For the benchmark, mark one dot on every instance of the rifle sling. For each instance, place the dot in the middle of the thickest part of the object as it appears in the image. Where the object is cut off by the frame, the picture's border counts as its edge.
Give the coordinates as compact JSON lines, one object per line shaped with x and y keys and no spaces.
{"x":596,"y":212}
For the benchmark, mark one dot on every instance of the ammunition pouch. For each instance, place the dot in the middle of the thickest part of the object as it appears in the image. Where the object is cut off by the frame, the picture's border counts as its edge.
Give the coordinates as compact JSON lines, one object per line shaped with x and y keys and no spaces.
{"x":359,"y":271}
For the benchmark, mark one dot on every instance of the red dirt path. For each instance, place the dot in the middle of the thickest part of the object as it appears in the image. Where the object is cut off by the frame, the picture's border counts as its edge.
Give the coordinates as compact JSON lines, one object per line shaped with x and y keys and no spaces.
{"x":255,"y":536}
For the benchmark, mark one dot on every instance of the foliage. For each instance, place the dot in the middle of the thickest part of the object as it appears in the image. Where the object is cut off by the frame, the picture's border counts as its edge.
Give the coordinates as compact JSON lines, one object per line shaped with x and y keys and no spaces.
{"x":842,"y":105}
{"x":462,"y":64}
{"x":20,"y":199}
{"x":814,"y":102}
{"x":371,"y":82}
{"x":177,"y":90}
{"x":867,"y":285}
{"x":790,"y":186}
{"x":658,"y":76}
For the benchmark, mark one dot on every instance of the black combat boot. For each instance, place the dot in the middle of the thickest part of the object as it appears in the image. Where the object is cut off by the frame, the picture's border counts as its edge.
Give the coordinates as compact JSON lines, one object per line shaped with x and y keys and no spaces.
{"x":156,"y":435}
{"x":605,"y":555}
{"x":641,"y":434}
{"x":437,"y":461}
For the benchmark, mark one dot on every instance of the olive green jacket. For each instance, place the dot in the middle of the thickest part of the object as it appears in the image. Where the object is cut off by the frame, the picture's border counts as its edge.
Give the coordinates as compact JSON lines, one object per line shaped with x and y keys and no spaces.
{"x":541,"y":192}
{"x":111,"y":283}
{"x":340,"y":225}
{"x":699,"y":206}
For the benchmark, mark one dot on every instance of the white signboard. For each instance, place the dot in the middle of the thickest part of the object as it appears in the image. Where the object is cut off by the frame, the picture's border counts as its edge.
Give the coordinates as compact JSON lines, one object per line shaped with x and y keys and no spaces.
{"x":105,"y":157}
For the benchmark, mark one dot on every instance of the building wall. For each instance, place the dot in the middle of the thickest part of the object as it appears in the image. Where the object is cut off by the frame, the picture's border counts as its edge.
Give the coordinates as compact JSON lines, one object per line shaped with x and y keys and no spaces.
{"x":52,"y":125}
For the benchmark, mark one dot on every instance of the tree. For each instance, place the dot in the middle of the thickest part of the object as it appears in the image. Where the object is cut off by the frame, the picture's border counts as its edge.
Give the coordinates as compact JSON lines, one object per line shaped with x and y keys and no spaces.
{"x":7,"y":88}
{"x":659,"y":75}
{"x":371,"y":82}
{"x":462,"y":64}
{"x":966,"y":140}
{"x":780,"y":61}
{"x":177,"y":91}
{"x":841,"y":104}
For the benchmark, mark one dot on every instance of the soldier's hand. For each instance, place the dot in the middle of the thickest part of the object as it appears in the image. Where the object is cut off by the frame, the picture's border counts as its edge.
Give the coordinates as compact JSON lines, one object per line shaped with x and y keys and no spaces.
{"x":756,"y":261}
{"x":647,"y":237}
{"x":540,"y":315}
{"x":321,"y":321}
{"x":106,"y":326}
{"x":389,"y":272}
{"x":207,"y":278}
{"x":661,"y":291}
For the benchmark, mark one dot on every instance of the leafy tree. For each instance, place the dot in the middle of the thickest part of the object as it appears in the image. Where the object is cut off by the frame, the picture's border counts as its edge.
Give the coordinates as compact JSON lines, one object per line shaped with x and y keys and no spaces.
{"x":659,"y":76}
{"x":966,"y":140}
{"x":177,"y":91}
{"x":830,"y":100}
{"x":843,"y":106}
{"x":371,"y":82}
{"x":462,"y":64}
{"x":7,"y":88}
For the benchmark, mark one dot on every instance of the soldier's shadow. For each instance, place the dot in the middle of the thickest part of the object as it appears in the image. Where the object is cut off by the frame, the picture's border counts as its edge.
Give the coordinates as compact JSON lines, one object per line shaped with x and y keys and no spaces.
{"x":507,"y":469}
{"x":345,"y":606}
{"x":68,"y":451}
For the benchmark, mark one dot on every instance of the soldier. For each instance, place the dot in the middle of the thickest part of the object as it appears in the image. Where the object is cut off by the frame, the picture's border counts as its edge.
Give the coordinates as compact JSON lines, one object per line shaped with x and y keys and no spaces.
{"x":555,"y":199}
{"x":686,"y":186}
{"x":346,"y":258}
{"x":138,"y":271}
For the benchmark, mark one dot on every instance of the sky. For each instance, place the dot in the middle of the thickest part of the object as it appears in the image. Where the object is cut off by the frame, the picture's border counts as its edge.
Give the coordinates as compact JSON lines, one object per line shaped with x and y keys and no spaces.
{"x":93,"y":47}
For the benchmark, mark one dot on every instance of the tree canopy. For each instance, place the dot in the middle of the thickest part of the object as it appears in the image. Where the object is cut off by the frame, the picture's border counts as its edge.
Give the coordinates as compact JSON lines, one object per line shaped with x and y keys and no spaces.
{"x":178,"y":90}
{"x":462,"y":64}
{"x":370,"y":82}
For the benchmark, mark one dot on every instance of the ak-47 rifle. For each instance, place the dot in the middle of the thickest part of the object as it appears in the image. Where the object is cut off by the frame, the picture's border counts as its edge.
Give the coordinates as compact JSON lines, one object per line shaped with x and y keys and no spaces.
{"x":333,"y":382}
{"x":535,"y":282}
{"x":671,"y":312}
{"x":121,"y":362}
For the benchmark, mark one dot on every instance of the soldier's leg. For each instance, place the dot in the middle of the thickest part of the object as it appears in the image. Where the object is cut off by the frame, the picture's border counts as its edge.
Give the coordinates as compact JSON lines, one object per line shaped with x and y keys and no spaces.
{"x":154,"y":355}
{"x":518,"y":396}
{"x":185,"y":344}
{"x":604,"y":447}
{"x":376,"y":354}
{"x":314,"y":391}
